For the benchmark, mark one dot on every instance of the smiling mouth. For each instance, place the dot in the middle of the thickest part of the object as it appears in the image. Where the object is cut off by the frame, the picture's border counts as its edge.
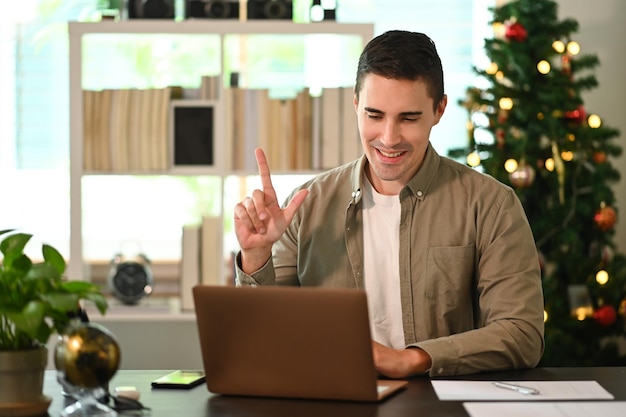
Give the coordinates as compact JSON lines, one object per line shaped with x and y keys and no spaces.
{"x":390,"y":154}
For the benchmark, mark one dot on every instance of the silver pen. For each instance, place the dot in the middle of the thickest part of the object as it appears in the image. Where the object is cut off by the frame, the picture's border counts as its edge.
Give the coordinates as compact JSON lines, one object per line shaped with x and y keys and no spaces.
{"x":518,"y":388}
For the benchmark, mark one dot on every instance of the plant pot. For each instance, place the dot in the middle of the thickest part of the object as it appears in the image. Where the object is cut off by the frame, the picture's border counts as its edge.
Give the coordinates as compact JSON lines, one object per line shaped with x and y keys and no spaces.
{"x":21,"y":379}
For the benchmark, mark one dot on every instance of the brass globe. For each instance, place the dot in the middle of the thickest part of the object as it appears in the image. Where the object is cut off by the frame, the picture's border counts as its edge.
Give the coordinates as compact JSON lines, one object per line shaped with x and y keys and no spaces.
{"x":88,"y":355}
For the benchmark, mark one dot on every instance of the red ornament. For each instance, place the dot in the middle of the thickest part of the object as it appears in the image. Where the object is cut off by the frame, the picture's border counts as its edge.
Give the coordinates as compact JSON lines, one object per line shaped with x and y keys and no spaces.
{"x":503,"y":116}
{"x":515,"y":32}
{"x":605,"y":218}
{"x":567,"y":67}
{"x":523,"y":176}
{"x":605,"y":315}
{"x":500,"y":137}
{"x":577,"y":116}
{"x":599,"y":157}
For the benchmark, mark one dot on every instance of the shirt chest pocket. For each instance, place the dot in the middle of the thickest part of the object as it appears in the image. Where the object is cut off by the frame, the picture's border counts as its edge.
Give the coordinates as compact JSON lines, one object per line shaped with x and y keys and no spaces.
{"x":449,"y":274}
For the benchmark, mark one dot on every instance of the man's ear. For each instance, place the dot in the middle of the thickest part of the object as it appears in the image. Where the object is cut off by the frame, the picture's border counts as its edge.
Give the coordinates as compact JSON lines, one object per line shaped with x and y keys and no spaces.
{"x":441,"y":108}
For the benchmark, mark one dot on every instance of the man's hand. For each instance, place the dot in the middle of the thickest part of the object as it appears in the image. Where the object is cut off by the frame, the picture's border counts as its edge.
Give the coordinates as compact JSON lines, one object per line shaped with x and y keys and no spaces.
{"x":402,"y":363}
{"x":260,"y":221}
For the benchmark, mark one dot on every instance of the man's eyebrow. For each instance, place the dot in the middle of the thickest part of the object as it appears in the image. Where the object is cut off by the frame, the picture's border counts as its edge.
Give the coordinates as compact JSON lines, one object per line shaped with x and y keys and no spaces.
{"x":403,"y":114}
{"x":411,"y":113}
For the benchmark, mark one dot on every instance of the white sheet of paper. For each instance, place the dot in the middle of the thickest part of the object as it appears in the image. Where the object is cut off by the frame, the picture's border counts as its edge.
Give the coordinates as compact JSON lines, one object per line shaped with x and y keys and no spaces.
{"x":547,"y":409}
{"x":548,"y":390}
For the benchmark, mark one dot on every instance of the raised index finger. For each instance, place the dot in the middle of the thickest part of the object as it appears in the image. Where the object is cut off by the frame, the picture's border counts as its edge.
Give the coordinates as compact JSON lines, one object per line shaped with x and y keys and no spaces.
{"x":264,"y":170}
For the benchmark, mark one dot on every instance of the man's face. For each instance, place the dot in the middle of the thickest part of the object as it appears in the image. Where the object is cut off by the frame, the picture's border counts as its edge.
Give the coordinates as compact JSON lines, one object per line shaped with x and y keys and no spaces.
{"x":394,"y":118}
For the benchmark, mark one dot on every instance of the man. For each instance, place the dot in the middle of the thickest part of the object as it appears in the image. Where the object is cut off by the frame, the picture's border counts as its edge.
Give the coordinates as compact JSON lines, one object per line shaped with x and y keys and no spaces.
{"x":445,"y":253}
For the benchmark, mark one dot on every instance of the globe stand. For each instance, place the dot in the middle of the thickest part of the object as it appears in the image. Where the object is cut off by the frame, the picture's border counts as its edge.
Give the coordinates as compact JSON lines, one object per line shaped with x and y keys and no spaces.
{"x":87,"y":403}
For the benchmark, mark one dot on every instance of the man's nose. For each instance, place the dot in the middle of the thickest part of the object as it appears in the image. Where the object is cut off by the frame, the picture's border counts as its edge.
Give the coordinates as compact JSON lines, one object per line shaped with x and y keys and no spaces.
{"x":391,"y":134}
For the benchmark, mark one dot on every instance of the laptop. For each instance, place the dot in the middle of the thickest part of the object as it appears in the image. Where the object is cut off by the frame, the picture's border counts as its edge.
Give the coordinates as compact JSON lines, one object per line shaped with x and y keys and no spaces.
{"x":289,"y":342}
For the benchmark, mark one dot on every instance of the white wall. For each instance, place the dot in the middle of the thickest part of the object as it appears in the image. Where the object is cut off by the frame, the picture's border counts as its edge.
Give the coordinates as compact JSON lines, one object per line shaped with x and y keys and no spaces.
{"x":602,"y":32}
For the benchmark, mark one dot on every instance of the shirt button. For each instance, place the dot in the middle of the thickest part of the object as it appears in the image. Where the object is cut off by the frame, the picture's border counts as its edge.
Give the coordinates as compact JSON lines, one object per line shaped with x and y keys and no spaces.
{"x":420,"y":193}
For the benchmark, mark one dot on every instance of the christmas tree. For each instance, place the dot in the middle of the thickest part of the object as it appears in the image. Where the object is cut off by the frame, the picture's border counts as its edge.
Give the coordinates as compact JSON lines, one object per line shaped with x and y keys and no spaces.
{"x":529,"y":128}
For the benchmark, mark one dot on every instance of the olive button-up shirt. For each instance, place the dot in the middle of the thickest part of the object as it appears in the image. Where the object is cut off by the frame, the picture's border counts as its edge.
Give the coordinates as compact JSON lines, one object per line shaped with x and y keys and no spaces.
{"x":471,"y":293}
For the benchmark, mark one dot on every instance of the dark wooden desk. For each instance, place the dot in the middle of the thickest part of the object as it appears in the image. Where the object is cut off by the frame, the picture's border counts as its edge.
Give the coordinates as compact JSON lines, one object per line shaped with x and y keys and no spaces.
{"x":419,"y":399}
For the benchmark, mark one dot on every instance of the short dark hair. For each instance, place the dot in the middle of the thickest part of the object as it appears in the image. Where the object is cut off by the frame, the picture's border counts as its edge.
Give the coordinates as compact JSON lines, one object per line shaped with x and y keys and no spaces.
{"x":402,"y":55}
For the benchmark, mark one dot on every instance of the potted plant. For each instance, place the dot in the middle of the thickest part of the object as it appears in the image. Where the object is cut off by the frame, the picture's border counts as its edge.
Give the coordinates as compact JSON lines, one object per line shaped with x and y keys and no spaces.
{"x":35,"y":303}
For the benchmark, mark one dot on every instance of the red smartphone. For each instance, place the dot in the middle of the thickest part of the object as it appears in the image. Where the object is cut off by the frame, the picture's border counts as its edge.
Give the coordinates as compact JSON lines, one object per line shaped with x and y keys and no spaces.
{"x":179,"y":380}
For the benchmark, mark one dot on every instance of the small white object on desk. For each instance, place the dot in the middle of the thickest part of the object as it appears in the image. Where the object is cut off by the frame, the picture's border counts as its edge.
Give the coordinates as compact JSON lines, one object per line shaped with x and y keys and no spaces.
{"x":127,"y":392}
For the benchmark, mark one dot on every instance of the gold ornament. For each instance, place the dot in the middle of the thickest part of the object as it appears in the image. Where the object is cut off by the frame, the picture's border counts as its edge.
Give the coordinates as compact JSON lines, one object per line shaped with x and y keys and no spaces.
{"x":622,"y":308}
{"x":560,"y":170}
{"x":523,"y":176}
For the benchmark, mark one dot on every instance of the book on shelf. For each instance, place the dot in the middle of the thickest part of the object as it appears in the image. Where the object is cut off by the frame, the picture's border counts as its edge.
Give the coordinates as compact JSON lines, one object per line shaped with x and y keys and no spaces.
{"x":263,"y":127}
{"x":209,"y":87}
{"x":331,"y":127}
{"x":228,"y":103}
{"x":189,"y":264}
{"x":350,"y":139}
{"x":118,"y":130}
{"x":236,"y":122}
{"x":275,"y":142}
{"x":145,"y":129}
{"x":102,"y":126}
{"x":89,"y":151}
{"x":302,"y":149}
{"x":287,"y":134}
{"x":211,"y":255}
{"x":316,"y":132}
{"x":153,"y":129}
{"x":250,"y":120}
{"x":134,"y":132}
{"x":162,"y":114}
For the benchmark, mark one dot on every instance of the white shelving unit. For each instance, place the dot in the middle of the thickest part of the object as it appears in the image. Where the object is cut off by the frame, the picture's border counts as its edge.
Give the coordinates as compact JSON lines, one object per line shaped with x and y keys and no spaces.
{"x":222,"y":28}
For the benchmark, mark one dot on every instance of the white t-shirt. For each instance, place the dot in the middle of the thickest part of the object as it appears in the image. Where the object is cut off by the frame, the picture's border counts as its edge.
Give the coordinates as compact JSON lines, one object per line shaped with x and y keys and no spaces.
{"x":381,"y":240}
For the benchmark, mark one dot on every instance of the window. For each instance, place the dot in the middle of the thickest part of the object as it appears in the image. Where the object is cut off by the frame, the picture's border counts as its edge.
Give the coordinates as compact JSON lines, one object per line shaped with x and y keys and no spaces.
{"x":34,"y":119}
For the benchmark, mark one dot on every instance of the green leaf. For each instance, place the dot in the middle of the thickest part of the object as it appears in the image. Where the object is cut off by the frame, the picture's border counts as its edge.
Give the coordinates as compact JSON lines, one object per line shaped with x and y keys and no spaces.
{"x":13,"y":247}
{"x":43,"y":333}
{"x":60,"y":301}
{"x":29,"y":319}
{"x":79,"y":287}
{"x":21,"y":264}
{"x":53,"y":257}
{"x":45,"y":272}
{"x":99,"y":300}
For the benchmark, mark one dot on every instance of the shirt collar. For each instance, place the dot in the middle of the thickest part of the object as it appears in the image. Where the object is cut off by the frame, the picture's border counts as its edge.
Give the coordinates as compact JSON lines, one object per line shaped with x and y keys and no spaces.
{"x":423,"y":178}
